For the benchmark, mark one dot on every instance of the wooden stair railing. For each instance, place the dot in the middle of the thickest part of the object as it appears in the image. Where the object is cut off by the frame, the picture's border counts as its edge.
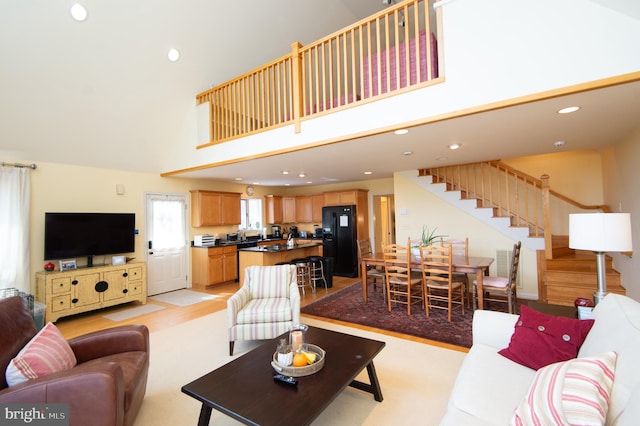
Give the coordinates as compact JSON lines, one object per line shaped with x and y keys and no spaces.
{"x":526,"y":200}
{"x":563,"y":273}
{"x":375,"y":57}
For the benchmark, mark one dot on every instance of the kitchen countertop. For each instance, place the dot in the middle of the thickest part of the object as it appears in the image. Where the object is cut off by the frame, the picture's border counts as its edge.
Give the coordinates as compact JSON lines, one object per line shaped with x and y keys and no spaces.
{"x":276,"y":248}
{"x":235,"y":243}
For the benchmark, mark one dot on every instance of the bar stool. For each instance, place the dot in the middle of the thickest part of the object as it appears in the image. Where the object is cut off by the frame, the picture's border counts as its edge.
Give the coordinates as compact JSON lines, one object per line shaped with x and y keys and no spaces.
{"x":303,"y":273}
{"x":317,"y":271}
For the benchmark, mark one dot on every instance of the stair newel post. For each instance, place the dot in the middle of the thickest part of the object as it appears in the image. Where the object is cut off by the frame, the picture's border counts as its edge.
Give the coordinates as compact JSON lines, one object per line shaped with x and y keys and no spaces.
{"x":548,"y":246}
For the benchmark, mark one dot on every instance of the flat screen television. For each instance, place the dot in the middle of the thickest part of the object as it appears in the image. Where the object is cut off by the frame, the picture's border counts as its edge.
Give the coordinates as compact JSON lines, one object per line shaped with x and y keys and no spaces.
{"x":72,"y":235}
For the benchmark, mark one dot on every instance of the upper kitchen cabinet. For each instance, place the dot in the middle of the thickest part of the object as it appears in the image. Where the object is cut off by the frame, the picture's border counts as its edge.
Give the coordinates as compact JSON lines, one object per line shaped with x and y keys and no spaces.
{"x":289,"y":210}
{"x":304,"y":209}
{"x":273,"y":209}
{"x":317,"y":203}
{"x":211,"y":208}
{"x":345,"y":198}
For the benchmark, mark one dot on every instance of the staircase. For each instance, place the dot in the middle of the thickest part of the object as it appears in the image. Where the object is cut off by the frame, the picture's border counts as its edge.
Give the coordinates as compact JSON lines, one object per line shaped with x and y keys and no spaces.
{"x":522,"y":207}
{"x":571,"y":274}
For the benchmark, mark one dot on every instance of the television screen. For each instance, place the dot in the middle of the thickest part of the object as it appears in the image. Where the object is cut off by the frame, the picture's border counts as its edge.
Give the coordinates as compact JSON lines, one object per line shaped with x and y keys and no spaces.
{"x":71,"y":235}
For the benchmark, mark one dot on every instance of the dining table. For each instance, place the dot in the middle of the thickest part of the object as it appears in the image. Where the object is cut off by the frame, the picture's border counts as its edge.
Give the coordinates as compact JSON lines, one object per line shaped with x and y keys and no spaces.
{"x":466,"y":264}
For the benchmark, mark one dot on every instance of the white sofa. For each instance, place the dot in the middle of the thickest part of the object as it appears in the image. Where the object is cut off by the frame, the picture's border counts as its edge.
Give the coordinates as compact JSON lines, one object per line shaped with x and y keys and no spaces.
{"x":489,"y":386}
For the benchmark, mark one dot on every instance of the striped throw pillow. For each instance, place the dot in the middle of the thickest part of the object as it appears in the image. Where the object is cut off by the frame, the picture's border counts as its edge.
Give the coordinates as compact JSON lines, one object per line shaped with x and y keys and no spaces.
{"x":574,"y":392}
{"x":48,"y":352}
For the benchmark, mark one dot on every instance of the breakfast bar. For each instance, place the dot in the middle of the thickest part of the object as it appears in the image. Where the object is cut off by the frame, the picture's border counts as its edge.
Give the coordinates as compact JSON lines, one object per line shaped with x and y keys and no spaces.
{"x":268,"y":255}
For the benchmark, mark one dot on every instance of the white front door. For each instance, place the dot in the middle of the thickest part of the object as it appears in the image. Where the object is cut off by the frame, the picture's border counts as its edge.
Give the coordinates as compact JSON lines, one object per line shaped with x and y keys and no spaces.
{"x":167,"y":242}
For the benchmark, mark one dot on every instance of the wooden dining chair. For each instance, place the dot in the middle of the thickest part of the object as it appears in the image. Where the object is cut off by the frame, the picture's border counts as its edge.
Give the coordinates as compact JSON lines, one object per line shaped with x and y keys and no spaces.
{"x":440,"y":290}
{"x":375,"y":274}
{"x":404,"y":286}
{"x":501,"y":289}
{"x":460,"y":247}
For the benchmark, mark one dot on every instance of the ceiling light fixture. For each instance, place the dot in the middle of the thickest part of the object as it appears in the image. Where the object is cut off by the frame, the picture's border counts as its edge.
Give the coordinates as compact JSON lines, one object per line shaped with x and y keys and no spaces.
{"x":407,"y":153}
{"x":301,"y":174}
{"x":401,"y":131}
{"x":454,"y":146}
{"x":173,"y":55}
{"x":285,"y":172}
{"x":368,"y":173}
{"x":568,"y":110}
{"x":238,"y":178}
{"x":442,"y":158}
{"x":559,"y":144}
{"x":78,"y":12}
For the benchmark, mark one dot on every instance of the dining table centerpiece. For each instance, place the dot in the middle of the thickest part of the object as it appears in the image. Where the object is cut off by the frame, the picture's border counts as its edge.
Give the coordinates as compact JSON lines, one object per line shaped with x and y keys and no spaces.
{"x":427,"y":238}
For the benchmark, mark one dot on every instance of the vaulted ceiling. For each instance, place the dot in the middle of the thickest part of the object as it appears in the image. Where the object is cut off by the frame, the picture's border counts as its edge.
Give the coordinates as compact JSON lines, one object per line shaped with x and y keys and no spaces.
{"x":102,"y":93}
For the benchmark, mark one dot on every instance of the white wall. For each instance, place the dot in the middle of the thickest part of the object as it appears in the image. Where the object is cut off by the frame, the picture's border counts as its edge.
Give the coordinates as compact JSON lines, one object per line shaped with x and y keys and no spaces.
{"x":621,"y":177}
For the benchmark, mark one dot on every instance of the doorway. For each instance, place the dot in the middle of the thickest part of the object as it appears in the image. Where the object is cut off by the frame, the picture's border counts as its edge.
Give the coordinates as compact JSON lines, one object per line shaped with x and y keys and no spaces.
{"x":167,"y":242}
{"x":384,"y":221}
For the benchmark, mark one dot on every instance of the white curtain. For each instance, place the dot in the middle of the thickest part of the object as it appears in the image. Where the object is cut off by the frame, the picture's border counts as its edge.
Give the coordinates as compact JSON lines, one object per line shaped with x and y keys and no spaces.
{"x":14,"y":228}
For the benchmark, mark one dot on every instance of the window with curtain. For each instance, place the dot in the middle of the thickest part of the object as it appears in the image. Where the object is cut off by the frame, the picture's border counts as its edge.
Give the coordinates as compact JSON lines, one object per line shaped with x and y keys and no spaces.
{"x":14,"y":228}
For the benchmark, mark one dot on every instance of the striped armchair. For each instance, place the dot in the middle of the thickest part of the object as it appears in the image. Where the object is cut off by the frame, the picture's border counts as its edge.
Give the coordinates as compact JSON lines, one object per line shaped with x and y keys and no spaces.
{"x":267,"y":304}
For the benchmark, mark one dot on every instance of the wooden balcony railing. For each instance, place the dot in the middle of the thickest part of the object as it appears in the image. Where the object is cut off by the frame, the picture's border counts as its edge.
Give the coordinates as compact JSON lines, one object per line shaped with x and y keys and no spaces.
{"x":527,"y":201}
{"x":390,"y":52}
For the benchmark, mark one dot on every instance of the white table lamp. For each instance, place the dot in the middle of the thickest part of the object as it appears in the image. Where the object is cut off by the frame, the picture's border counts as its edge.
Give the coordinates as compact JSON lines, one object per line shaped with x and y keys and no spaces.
{"x":600,"y":233}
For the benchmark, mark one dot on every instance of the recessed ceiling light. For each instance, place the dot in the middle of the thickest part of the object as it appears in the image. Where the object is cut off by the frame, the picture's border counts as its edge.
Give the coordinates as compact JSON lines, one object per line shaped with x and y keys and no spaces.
{"x":309,"y":181}
{"x":287,"y":184}
{"x":301,"y":174}
{"x":407,"y":153}
{"x":455,"y":146}
{"x":401,"y":132}
{"x":368,"y":173}
{"x":285,"y":172}
{"x":173,"y":54}
{"x":442,"y":158}
{"x":559,"y":144}
{"x":256,"y":183}
{"x":238,"y":178}
{"x":78,"y":12}
{"x":567,"y":110}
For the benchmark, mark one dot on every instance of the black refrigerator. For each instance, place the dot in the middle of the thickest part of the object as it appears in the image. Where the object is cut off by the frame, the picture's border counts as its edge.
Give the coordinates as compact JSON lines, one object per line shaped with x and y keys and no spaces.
{"x":339,"y":230}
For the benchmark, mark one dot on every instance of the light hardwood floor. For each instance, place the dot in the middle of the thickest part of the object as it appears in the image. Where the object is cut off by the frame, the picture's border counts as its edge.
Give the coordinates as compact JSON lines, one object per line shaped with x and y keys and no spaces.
{"x":76,"y":325}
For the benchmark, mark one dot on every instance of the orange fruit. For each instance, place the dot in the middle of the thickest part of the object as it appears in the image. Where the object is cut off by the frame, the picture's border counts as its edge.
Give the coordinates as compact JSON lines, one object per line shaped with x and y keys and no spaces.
{"x":299,"y":360}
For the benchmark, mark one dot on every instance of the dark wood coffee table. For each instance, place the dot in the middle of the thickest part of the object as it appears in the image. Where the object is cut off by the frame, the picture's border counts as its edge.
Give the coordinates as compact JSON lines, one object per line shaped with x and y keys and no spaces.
{"x":245,"y":390}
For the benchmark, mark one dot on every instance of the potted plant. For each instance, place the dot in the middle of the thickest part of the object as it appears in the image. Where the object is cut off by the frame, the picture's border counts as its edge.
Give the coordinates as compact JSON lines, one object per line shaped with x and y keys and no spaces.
{"x":428,"y":236}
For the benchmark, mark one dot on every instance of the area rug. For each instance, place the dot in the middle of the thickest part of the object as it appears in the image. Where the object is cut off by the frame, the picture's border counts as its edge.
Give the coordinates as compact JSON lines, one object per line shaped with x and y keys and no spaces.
{"x":416,"y":378}
{"x":347,"y":305}
{"x":133,"y":311}
{"x":182,"y":297}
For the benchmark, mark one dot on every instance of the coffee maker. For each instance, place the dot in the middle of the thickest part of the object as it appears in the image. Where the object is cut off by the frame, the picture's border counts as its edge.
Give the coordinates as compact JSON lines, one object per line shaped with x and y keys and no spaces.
{"x":294,"y":232}
{"x":275,"y":230}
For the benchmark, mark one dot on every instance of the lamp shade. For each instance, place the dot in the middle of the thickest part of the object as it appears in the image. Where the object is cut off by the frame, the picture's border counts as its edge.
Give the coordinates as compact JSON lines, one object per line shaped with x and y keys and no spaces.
{"x":602,"y":232}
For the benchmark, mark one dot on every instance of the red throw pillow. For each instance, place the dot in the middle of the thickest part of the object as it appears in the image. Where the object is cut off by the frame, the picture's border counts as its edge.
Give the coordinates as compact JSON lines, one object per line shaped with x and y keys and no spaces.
{"x":541,"y":339}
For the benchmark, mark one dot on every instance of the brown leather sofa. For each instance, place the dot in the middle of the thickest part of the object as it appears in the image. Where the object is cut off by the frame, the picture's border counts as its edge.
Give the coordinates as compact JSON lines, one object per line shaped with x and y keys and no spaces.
{"x":107,"y":385}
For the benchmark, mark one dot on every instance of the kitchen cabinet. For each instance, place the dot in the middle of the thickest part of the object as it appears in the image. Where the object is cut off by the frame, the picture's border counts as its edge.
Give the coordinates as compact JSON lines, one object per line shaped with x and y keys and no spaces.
{"x":72,"y":292}
{"x":343,"y":198}
{"x":214,"y":265}
{"x":304,"y":207}
{"x":317,"y":203}
{"x":273,"y":209}
{"x":211,"y":208}
{"x":289,"y":210}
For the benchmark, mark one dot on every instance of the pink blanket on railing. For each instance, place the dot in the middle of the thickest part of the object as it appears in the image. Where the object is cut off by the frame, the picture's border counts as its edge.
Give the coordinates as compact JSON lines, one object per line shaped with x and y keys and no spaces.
{"x":393,"y":74}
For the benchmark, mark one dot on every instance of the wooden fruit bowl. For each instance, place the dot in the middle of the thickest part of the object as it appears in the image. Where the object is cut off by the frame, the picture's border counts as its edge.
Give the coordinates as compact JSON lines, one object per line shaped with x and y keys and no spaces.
{"x":307,"y":370}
